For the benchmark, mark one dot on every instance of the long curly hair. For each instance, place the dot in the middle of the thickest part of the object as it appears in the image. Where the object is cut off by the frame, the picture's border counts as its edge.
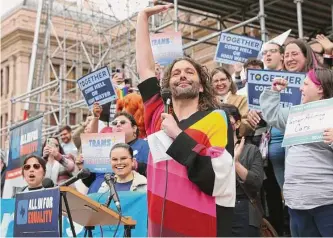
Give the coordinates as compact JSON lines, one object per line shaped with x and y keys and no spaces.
{"x":132,"y":103}
{"x":207,"y":99}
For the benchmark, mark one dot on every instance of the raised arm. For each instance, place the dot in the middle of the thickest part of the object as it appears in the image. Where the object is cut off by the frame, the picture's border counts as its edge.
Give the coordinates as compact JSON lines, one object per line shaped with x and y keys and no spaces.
{"x":272,"y":111}
{"x":144,"y":54}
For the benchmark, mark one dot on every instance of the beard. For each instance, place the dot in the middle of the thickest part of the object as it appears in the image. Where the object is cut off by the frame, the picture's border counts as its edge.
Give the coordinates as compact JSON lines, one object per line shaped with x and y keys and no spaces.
{"x":189,"y":92}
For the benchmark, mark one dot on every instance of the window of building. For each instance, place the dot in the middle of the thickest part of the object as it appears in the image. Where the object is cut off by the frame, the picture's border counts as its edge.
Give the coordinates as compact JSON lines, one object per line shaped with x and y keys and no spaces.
{"x":53,"y":121}
{"x":72,"y":118}
{"x":7,"y":80}
{"x":56,"y":69}
{"x":71,"y":75}
{"x":84,"y":117}
{"x":2,"y":84}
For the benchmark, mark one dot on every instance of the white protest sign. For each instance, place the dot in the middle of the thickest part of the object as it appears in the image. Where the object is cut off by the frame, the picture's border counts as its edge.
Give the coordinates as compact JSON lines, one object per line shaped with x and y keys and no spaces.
{"x":307,"y":122}
{"x":96,"y":149}
{"x":166,"y":47}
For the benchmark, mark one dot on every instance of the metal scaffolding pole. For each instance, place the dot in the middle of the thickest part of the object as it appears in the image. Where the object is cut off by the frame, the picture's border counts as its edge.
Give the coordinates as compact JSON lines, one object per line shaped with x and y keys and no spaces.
{"x":299,"y":17}
{"x":262,"y":20}
{"x":175,"y":4}
{"x":215,"y":34}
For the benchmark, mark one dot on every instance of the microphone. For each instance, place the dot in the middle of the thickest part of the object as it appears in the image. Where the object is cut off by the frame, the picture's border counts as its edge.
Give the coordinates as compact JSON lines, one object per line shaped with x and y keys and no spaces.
{"x":82,"y":174}
{"x":109,"y":180}
{"x":47,"y":183}
{"x":166,"y":96}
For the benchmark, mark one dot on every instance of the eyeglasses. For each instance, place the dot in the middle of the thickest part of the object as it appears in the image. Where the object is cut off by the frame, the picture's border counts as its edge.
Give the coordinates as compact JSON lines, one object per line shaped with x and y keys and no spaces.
{"x":220,"y":80}
{"x":115,"y":122}
{"x":28,"y":166}
{"x":271,"y":51}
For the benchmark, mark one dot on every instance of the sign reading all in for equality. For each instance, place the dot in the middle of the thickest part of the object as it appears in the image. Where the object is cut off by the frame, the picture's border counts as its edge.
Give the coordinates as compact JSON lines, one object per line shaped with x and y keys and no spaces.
{"x":258,"y":80}
{"x":166,"y":47}
{"x":37,"y":213}
{"x":97,"y":87}
{"x":96,"y":150}
{"x":234,"y":48}
{"x":307,"y":122}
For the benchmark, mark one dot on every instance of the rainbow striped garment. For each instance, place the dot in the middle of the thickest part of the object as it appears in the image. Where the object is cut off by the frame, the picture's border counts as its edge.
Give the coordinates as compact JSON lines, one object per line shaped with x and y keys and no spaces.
{"x":201,"y":180}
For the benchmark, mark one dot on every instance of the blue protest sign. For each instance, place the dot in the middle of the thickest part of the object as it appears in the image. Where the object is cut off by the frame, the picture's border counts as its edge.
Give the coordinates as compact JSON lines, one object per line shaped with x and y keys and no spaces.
{"x":97,"y":87}
{"x":233,"y":48}
{"x":133,"y":204}
{"x":37,"y":213}
{"x":25,"y":139}
{"x":258,"y":80}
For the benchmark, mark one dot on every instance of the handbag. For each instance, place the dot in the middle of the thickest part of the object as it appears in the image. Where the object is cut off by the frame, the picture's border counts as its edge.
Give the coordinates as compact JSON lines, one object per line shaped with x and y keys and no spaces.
{"x":266,"y":229}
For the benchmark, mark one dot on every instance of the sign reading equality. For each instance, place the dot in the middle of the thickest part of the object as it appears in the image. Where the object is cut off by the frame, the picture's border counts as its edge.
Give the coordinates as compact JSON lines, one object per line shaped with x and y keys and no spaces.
{"x":97,"y":87}
{"x":307,"y":122}
{"x":37,"y":213}
{"x":258,"y":80}
{"x":233,"y":48}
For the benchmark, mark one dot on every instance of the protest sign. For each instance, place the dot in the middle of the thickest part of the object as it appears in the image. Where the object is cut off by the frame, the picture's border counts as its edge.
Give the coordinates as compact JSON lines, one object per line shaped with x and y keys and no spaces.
{"x":258,"y":80}
{"x":166,"y":47}
{"x":37,"y":213}
{"x":133,"y":204}
{"x":97,"y":87}
{"x":233,"y":48}
{"x":307,"y":122}
{"x":96,"y":150}
{"x":25,"y":139}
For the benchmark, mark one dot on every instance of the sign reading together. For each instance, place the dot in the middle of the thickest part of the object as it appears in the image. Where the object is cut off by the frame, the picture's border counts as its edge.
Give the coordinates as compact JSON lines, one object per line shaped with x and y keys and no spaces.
{"x":97,"y":87}
{"x":258,"y":80}
{"x":233,"y":48}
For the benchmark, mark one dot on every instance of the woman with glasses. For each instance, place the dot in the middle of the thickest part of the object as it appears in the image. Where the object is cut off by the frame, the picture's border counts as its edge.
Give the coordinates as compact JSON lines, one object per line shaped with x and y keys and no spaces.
{"x":59,"y":167}
{"x":225,"y":89}
{"x":122,"y":162}
{"x":33,"y":171}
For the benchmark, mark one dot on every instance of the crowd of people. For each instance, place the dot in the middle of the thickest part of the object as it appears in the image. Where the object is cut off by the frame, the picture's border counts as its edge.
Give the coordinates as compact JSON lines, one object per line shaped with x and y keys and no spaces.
{"x":227,"y":161}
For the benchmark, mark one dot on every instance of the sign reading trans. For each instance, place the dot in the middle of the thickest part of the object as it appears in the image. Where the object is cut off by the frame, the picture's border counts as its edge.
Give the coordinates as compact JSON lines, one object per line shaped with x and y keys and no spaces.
{"x":234,"y":48}
{"x":37,"y":213}
{"x":166,"y":47}
{"x":258,"y":80}
{"x":97,"y":87}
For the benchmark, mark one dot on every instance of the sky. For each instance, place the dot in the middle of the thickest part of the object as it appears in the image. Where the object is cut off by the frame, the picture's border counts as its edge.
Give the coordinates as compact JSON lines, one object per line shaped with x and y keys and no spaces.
{"x":118,"y":6}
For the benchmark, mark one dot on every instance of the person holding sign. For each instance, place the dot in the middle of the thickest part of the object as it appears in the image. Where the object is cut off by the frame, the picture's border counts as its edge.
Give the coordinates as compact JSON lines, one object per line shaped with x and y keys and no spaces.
{"x":225,"y":89}
{"x":122,"y":162}
{"x":308,"y":189}
{"x":192,"y":192}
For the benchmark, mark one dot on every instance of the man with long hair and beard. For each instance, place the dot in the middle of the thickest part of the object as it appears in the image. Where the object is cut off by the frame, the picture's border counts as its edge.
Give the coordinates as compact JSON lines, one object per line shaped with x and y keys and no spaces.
{"x":194,"y":193}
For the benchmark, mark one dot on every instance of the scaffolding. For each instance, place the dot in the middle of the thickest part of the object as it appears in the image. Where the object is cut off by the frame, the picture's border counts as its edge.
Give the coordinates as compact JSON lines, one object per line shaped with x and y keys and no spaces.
{"x":102,"y":39}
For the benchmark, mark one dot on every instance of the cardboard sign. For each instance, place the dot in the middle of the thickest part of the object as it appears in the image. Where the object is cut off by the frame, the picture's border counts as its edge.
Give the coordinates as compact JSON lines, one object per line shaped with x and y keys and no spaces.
{"x":166,"y":47}
{"x":97,"y":87}
{"x":258,"y":80}
{"x":233,"y":48}
{"x":96,"y":149}
{"x":307,"y":122}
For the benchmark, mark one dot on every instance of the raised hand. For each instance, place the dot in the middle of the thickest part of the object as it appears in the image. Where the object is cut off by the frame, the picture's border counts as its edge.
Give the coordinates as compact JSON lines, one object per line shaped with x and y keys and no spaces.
{"x":238,"y":67}
{"x":149,"y":11}
{"x":97,"y":110}
{"x":325,"y":43}
{"x":239,"y":149}
{"x":279,"y":84}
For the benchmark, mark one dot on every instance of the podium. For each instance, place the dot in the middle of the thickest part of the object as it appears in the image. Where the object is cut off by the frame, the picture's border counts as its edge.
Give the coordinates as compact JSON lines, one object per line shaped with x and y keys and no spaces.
{"x":89,"y":213}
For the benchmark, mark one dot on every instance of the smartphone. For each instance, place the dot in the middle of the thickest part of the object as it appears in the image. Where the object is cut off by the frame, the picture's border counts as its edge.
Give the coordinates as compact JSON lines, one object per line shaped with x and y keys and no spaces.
{"x":50,"y":143}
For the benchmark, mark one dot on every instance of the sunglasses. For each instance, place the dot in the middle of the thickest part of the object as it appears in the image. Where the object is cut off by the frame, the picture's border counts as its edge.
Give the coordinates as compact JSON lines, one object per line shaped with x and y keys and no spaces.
{"x":115,"y":122}
{"x":28,"y":166}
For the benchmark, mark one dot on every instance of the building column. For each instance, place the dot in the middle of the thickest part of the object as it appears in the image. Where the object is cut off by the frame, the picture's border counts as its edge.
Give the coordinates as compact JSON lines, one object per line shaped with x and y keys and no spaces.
{"x":11,"y":87}
{"x":4,"y":81}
